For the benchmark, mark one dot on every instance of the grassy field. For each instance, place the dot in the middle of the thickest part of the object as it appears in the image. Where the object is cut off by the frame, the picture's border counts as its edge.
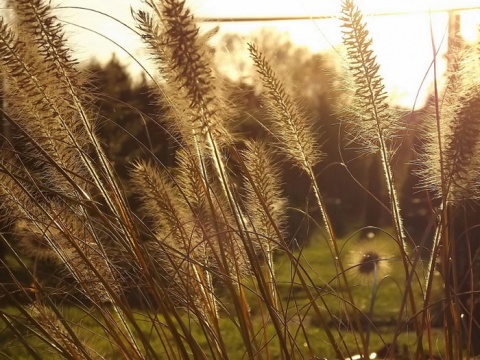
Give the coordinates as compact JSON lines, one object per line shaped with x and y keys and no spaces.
{"x":318,"y":261}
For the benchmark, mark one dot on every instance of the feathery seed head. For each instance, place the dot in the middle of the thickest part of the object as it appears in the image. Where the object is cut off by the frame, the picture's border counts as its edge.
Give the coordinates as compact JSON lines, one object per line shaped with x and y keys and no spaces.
{"x":15,"y":193}
{"x":193,"y":96}
{"x":65,"y":236}
{"x":265,"y":202}
{"x":44,"y":91}
{"x":456,"y":157}
{"x":290,"y":125}
{"x":172,"y":218}
{"x":368,"y":259}
{"x":32,"y":240}
{"x":55,"y":329}
{"x":369,"y":113}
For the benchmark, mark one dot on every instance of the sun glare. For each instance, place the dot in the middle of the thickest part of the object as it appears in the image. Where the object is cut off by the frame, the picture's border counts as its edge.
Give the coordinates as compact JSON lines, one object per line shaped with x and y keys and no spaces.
{"x":401,"y":31}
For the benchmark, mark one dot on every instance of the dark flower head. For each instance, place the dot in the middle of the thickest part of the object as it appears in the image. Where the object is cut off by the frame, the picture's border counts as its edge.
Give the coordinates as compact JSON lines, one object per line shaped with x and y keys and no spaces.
{"x":368,"y":262}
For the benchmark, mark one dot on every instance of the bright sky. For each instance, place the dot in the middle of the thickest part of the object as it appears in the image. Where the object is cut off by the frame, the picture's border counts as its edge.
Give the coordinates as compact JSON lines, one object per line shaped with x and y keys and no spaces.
{"x":402,"y":42}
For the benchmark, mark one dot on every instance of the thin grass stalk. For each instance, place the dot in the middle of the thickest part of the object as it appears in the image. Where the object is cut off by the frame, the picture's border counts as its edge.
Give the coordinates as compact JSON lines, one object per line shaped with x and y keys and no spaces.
{"x":301,"y":329}
{"x":201,"y":101}
{"x":305,"y":279}
{"x":266,"y":341}
{"x":19,"y":336}
{"x":170,"y":13}
{"x":272,"y":278}
{"x":471,"y":302}
{"x":429,"y":283}
{"x":301,"y":150}
{"x":455,"y":304}
{"x":455,"y":151}
{"x":64,"y":231}
{"x":40,"y":19}
{"x":371,"y":96}
{"x":47,"y":336}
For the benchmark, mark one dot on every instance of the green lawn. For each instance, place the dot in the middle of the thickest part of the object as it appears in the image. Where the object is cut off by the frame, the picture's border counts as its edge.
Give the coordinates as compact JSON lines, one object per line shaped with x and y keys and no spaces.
{"x":297,"y":308}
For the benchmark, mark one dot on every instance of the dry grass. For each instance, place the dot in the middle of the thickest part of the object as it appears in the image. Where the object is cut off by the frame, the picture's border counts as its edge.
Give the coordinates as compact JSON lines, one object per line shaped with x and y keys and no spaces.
{"x":200,"y":254}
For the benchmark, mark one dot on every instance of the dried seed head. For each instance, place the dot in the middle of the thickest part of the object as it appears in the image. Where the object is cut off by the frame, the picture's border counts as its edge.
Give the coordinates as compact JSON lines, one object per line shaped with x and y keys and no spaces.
{"x":290,"y":125}
{"x":369,"y":259}
{"x":368,"y":262}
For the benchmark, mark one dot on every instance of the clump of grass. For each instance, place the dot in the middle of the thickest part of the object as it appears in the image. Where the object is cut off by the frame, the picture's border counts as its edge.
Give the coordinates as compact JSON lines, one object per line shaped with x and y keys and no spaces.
{"x":201,"y":250}
{"x":450,"y":172}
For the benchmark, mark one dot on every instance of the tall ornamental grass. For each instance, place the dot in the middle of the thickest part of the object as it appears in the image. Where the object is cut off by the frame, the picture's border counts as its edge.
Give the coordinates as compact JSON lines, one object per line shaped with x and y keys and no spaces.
{"x":198,"y":244}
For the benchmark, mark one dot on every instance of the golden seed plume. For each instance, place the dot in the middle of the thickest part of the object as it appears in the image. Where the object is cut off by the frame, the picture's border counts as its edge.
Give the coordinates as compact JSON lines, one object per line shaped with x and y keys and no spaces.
{"x":373,"y":122}
{"x":76,"y":347}
{"x":290,"y":125}
{"x":369,"y":112}
{"x":265,"y":203}
{"x":39,"y":104}
{"x":192,"y":93}
{"x":457,"y":137}
{"x":66,"y":236}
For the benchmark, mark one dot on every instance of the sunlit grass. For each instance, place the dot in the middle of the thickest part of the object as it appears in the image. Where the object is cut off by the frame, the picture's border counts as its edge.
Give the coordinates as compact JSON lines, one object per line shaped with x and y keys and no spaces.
{"x":318,"y":261}
{"x":193,"y":259}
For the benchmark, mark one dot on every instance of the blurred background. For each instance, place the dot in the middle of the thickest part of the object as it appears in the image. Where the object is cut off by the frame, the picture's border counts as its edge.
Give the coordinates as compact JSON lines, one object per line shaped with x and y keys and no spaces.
{"x":302,"y":38}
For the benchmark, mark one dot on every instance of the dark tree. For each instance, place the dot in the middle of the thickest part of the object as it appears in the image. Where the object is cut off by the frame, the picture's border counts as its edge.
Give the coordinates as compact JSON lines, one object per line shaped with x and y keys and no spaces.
{"x":130,"y":125}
